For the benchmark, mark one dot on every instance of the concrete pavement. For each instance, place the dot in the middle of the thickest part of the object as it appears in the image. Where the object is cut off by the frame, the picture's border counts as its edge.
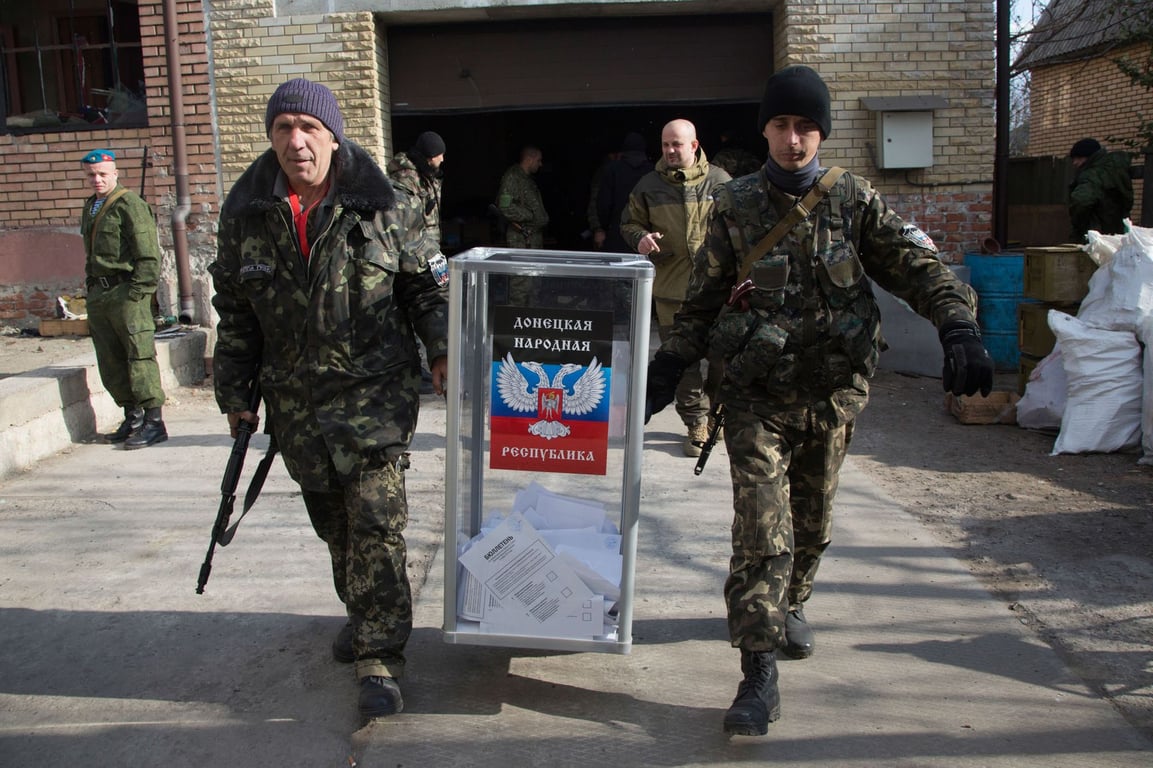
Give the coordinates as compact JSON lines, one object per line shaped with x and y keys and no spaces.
{"x":111,"y":659}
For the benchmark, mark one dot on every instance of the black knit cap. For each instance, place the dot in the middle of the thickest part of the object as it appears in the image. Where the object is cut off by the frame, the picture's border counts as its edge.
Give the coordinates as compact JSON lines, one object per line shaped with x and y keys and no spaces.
{"x":428,"y":145}
{"x":633,"y":142}
{"x":796,"y":90}
{"x":1085,"y":148}
{"x":304,"y":97}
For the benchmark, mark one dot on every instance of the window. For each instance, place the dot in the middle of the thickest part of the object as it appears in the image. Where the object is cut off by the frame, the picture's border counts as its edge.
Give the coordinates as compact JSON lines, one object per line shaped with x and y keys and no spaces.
{"x":70,"y":65}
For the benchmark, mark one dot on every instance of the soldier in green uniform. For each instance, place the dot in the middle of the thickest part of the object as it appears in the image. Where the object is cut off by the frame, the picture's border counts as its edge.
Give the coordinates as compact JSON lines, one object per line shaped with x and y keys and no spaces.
{"x":122,"y":267}
{"x":1101,"y":193}
{"x":798,"y":348}
{"x":520,"y":203}
{"x":323,"y":277}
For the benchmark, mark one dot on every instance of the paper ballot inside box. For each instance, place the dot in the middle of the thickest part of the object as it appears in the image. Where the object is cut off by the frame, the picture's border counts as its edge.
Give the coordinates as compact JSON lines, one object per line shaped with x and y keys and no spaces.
{"x":526,"y":587}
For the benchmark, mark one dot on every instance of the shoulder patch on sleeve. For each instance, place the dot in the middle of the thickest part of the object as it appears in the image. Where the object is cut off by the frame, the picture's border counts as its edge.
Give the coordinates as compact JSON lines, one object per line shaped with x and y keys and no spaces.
{"x":438,"y":265}
{"x":917,"y":237}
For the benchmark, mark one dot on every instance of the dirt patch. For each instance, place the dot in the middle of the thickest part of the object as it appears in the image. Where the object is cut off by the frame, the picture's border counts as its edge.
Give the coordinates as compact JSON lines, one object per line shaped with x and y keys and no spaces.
{"x":1065,"y":541}
{"x":21,"y":352}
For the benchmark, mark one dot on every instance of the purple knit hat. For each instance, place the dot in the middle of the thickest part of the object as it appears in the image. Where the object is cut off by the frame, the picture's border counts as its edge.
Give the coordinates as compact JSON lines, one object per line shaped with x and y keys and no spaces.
{"x":305,"y":97}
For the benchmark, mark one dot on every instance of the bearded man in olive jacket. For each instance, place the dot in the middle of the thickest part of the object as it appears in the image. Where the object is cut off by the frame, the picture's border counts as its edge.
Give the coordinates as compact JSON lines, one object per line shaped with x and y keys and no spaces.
{"x":666,"y":220}
{"x":322,"y":277}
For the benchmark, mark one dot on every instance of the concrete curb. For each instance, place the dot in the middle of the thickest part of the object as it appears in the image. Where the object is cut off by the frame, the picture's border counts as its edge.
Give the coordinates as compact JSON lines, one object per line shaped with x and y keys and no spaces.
{"x":44,"y":411}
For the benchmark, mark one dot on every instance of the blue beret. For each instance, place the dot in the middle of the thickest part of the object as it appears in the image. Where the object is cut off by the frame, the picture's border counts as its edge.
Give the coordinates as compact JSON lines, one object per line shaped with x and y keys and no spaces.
{"x":99,"y":156}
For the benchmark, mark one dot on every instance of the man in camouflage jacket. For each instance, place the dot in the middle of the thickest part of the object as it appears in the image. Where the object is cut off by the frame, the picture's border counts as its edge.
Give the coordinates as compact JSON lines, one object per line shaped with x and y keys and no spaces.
{"x":322,"y":277}
{"x":797,"y":350}
{"x":418,"y":172}
{"x":520,"y":203}
{"x":665,"y":221}
{"x":1101,"y":193}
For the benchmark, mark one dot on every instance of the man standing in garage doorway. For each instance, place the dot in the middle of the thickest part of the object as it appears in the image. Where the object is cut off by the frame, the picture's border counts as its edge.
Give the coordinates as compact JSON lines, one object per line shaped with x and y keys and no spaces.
{"x":520,"y":202}
{"x":666,"y":220}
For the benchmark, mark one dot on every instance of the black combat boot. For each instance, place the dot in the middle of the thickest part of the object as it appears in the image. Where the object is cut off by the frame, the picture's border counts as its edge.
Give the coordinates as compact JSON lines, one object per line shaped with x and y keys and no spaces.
{"x":133,"y":420}
{"x":758,"y":701}
{"x":379,"y":697}
{"x":152,"y":431}
{"x":798,"y":635}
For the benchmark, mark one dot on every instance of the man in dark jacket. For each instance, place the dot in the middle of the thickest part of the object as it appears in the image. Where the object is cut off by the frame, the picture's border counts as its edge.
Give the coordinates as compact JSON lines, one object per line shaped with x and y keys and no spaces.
{"x":797,"y":352}
{"x":1101,"y":195}
{"x":616,"y":185}
{"x":323,"y":276}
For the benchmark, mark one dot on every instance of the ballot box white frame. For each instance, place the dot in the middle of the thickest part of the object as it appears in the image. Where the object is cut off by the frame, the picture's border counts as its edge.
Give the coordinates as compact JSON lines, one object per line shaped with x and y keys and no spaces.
{"x":476,"y":277}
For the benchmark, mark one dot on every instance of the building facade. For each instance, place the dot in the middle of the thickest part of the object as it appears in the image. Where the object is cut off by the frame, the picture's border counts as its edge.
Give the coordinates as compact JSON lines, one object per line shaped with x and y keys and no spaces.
{"x":569,"y":76}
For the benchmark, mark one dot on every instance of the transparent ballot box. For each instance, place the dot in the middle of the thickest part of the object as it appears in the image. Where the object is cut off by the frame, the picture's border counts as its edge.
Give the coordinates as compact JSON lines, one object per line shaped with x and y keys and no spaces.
{"x":547,"y":363}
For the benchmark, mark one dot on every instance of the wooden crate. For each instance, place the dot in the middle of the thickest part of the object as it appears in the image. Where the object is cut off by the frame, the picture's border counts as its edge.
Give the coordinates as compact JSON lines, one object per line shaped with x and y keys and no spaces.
{"x":59,"y":327}
{"x":1058,"y":273}
{"x":1034,"y":337}
{"x":997,"y":408}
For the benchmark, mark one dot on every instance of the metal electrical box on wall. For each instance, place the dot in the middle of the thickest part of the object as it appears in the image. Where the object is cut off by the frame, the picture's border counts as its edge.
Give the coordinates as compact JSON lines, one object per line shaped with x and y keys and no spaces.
{"x":904,"y":129}
{"x":905,"y":139}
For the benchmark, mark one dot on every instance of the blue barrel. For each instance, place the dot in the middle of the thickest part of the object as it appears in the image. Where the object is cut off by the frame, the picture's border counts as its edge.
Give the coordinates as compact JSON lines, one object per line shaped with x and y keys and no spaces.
{"x":999,"y":280}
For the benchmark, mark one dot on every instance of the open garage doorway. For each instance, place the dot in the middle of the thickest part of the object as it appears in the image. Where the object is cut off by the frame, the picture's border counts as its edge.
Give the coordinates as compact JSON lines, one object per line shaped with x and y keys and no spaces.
{"x":573,"y":87}
{"x":574,"y":143}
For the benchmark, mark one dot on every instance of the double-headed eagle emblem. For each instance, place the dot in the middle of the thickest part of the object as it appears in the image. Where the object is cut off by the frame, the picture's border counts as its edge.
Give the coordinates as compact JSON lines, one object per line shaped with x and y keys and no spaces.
{"x":550,"y":399}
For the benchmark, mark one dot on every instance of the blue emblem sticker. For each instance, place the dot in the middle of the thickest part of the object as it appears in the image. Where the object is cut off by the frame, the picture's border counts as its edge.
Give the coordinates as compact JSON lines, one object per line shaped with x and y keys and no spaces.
{"x":917,"y":237}
{"x":438,"y":265}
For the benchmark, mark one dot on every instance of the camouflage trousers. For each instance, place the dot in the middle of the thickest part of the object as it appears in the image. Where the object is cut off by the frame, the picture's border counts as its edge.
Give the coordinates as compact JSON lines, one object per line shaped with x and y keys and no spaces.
{"x":363,"y":525}
{"x":123,"y":337}
{"x":784,"y":480}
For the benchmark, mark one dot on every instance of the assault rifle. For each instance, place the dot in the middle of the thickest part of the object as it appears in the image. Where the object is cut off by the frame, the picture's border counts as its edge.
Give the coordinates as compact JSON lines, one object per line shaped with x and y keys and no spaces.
{"x":220,"y":532}
{"x":717,"y":411}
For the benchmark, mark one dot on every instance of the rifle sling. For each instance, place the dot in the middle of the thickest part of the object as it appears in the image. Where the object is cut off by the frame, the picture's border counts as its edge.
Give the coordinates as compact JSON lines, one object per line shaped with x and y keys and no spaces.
{"x":254,"y":486}
{"x":117,"y":193}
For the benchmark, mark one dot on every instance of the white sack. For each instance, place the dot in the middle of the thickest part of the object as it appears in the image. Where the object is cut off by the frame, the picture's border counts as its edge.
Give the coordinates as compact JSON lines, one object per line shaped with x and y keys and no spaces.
{"x":1121,"y":292}
{"x":1103,"y":405}
{"x":1043,"y":403}
{"x":1146,"y":337}
{"x":1102,"y":247}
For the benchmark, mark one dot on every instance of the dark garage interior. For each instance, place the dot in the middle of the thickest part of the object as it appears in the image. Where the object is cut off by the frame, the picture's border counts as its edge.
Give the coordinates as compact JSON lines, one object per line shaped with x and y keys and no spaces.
{"x":574,"y":141}
{"x":574,"y":88}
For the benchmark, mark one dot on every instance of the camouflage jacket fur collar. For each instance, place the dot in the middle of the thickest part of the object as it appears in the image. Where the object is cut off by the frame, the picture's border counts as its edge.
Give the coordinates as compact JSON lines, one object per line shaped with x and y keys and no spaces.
{"x":360,"y":184}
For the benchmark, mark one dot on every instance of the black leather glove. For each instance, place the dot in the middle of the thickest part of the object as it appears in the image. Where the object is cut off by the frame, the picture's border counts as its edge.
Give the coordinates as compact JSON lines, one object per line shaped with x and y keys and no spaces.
{"x":665,"y":373}
{"x":968,"y":366}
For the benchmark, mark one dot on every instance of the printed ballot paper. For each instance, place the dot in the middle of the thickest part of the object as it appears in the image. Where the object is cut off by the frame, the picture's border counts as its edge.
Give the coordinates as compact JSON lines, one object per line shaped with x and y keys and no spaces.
{"x":531,"y":590}
{"x":551,"y":566}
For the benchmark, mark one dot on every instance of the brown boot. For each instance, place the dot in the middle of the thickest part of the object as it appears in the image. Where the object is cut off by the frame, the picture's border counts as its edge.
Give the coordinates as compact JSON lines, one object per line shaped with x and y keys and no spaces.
{"x":698,"y":434}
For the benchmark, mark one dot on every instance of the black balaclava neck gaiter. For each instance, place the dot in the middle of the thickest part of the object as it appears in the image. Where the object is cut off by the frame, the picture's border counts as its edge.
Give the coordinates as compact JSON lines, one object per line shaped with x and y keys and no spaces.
{"x":796,"y":183}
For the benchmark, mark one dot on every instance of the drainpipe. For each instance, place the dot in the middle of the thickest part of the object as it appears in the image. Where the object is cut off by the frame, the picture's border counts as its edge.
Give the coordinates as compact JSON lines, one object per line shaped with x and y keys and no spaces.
{"x":1001,"y":119}
{"x":180,"y":161}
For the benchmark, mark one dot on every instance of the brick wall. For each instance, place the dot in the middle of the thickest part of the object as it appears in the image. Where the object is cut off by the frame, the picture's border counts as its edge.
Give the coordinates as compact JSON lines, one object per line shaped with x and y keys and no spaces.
{"x":45,"y":186}
{"x":255,"y":51}
{"x":1088,"y":98}
{"x":907,"y":49}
